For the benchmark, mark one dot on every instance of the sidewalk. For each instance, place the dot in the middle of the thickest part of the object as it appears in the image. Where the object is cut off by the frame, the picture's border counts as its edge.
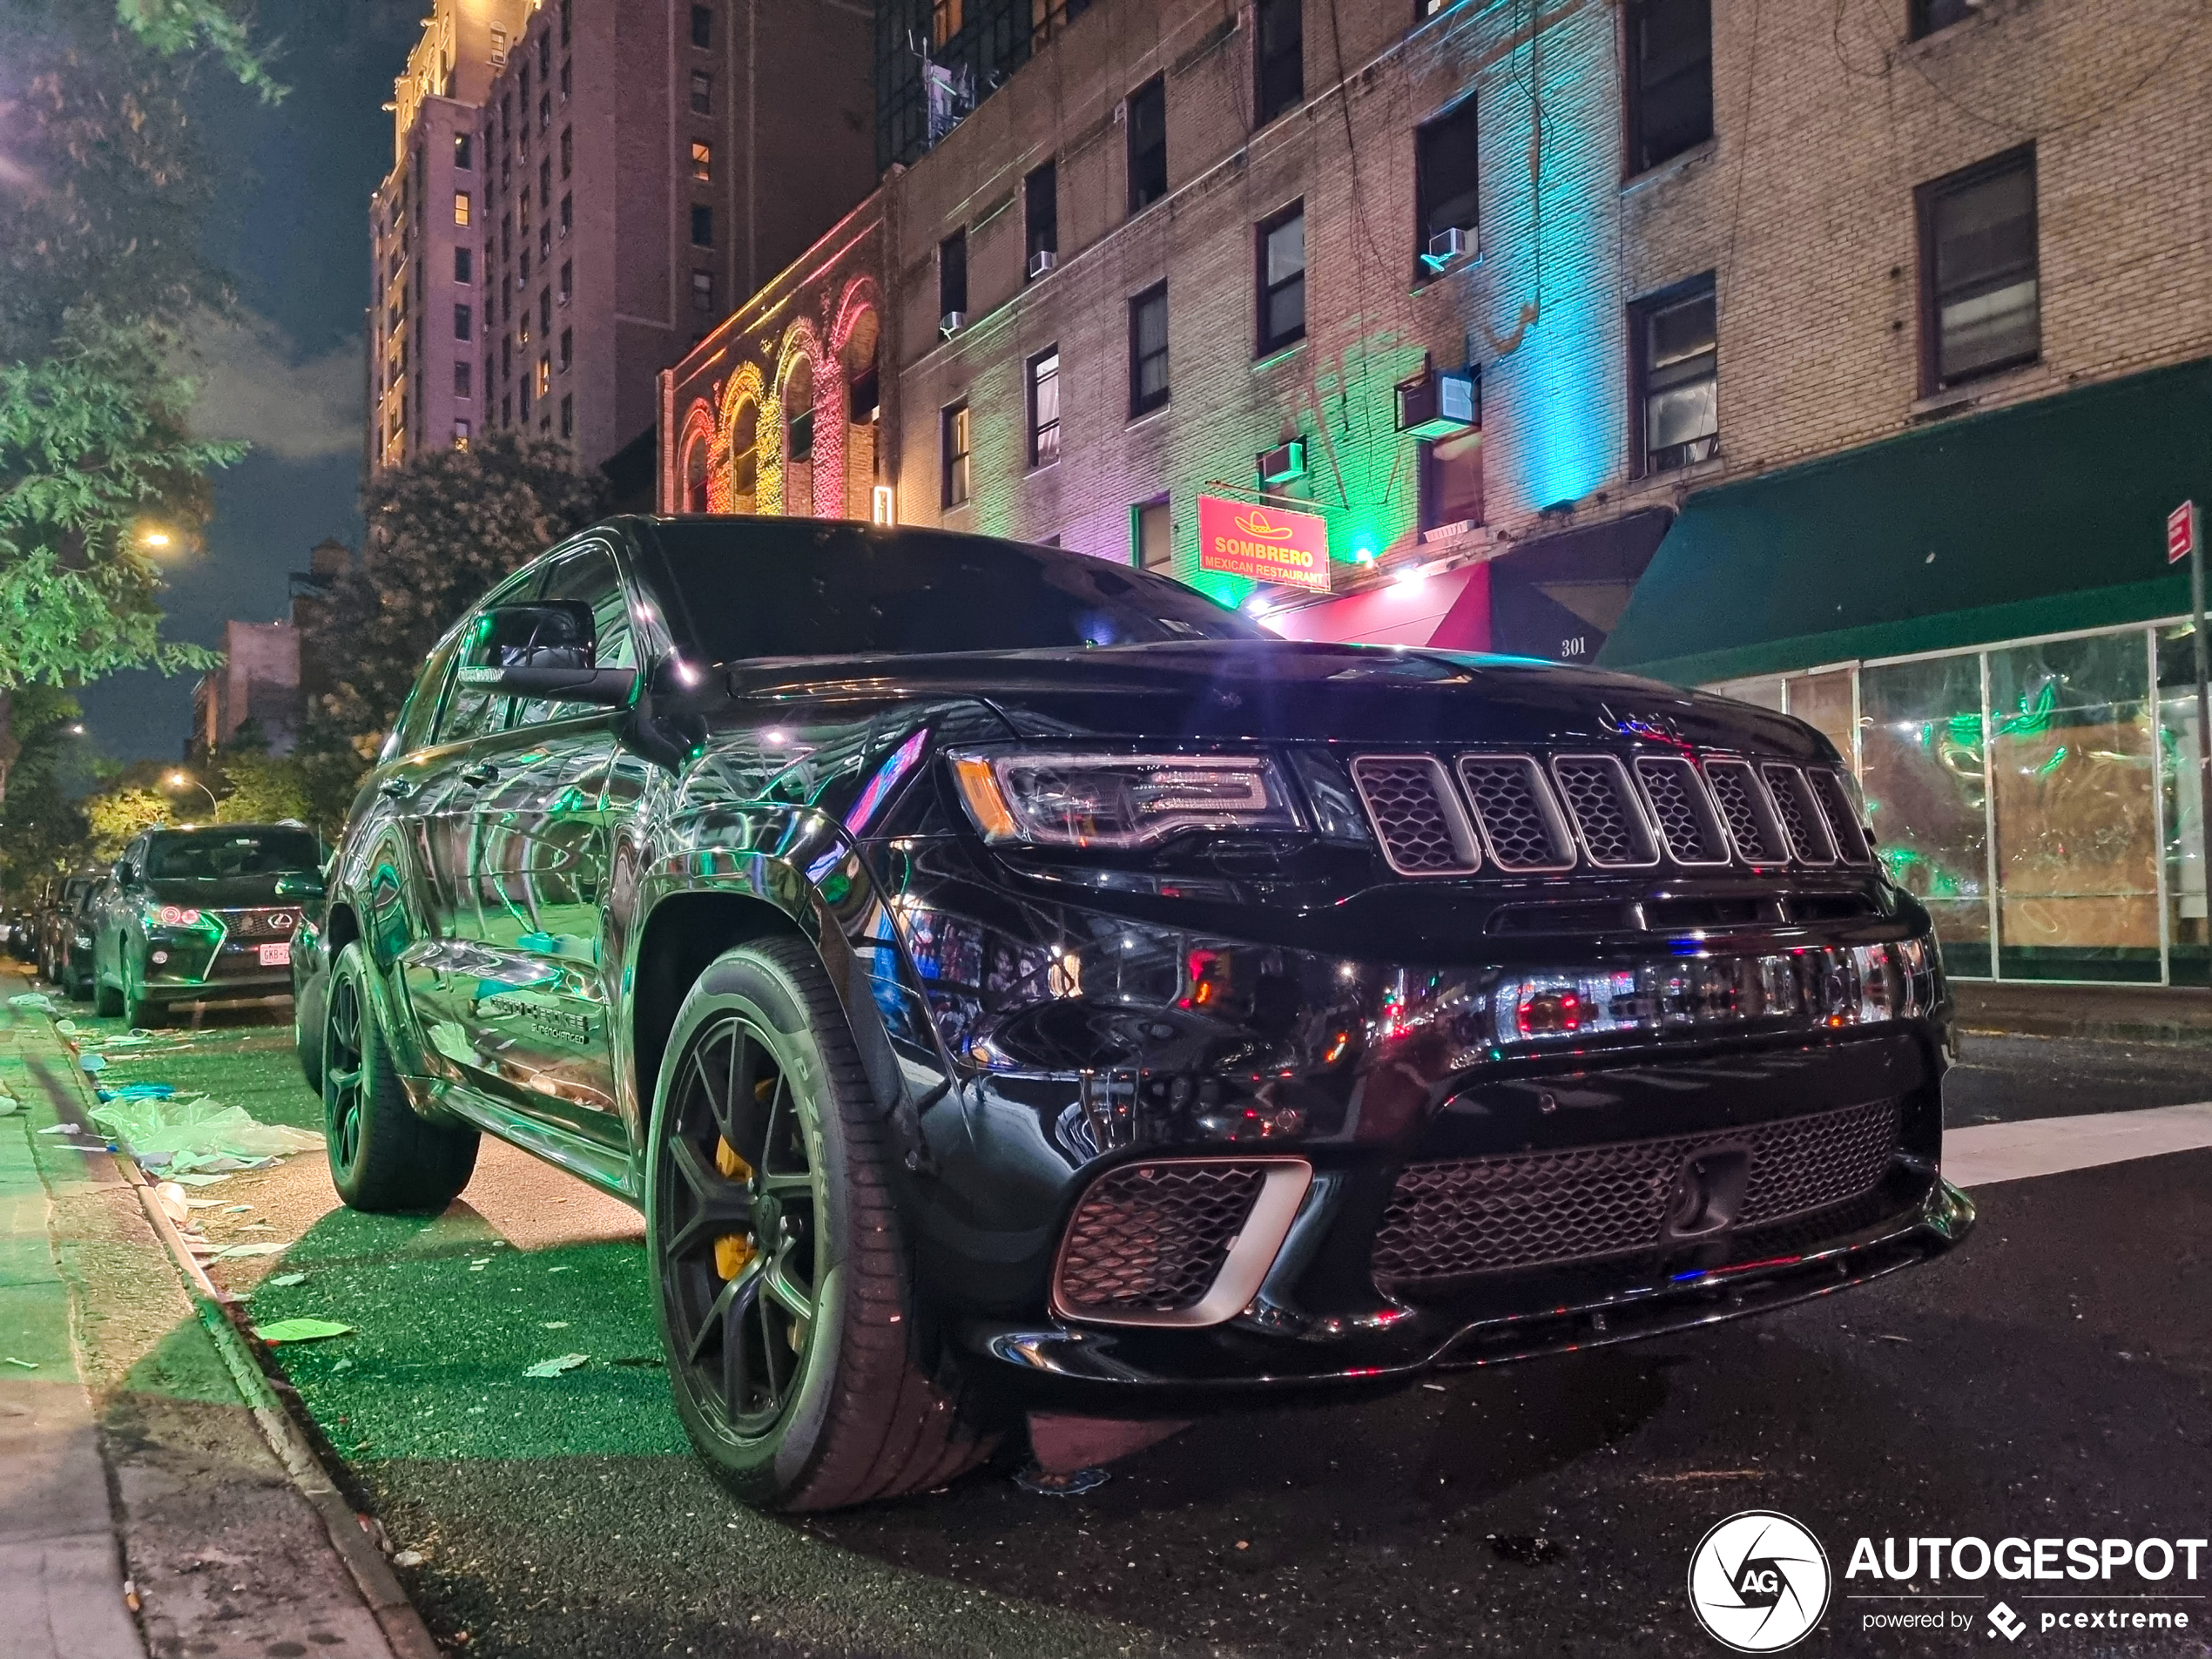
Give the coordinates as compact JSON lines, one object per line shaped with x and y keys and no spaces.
{"x":2112,"y":1013}
{"x":142,"y":1510}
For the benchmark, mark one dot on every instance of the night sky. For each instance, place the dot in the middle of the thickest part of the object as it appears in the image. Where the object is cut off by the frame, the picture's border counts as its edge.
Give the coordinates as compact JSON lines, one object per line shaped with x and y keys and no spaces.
{"x":292,"y":231}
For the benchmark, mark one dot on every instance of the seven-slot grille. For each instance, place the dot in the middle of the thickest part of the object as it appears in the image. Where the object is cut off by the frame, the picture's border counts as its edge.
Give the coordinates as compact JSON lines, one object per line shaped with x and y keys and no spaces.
{"x":1592,"y":808}
{"x":1151,"y":1239}
{"x":1462,"y":1216}
{"x":260,"y":924}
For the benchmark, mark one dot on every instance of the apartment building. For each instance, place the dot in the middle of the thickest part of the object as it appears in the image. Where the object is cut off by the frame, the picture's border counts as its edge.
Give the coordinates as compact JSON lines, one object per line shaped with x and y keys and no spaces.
{"x":581,"y":189}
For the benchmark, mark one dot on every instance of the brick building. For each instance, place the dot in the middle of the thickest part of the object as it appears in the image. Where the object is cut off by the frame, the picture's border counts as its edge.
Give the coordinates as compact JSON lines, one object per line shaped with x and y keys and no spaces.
{"x":258,"y":681}
{"x":581,"y":189}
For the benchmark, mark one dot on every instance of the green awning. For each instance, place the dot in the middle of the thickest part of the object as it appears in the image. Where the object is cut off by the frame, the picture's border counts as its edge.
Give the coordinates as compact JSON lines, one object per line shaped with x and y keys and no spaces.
{"x":2036,"y":519}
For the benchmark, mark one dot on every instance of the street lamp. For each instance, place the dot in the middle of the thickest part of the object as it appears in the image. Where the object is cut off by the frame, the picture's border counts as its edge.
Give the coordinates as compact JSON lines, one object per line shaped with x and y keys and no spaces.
{"x":185,"y":780}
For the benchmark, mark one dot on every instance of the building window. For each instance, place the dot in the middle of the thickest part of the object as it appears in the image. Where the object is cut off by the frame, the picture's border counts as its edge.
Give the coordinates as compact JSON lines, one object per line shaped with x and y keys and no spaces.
{"x":1147,"y":350}
{"x":545,"y":375}
{"x":568,"y":151}
{"x":463,"y":323}
{"x":544,"y":53}
{"x":544,"y":111}
{"x":703,"y":161}
{"x":1040,"y":214}
{"x":952,"y":426}
{"x":945,"y":19}
{"x":568,"y":280}
{"x":1148,"y":144}
{"x":567,"y":80}
{"x":702,"y":92}
{"x":1048,"y":18}
{"x":522,"y":328}
{"x":1044,"y":407}
{"x":464,"y":265}
{"x":1928,"y":16}
{"x":1445,"y":194}
{"x":1278,"y":59}
{"x":1152,"y":535}
{"x":461,"y":435}
{"x":703,"y":27}
{"x":1677,"y":366}
{"x":568,"y":416}
{"x":1451,"y":481}
{"x":566,"y":6}
{"x":568,"y":348}
{"x":702,"y":292}
{"x":1282,"y":279}
{"x":952,"y":275}
{"x":702,"y":227}
{"x":523,"y":264}
{"x":1980,"y":296}
{"x":545,"y":311}
{"x":507,"y":411}
{"x":461,"y":208}
{"x":568,"y":214}
{"x":799,"y":437}
{"x":463,"y":149}
{"x":488,"y":375}
{"x":545,"y":181}
{"x":1670,"y":78}
{"x":460,"y":378}
{"x":544,"y":241}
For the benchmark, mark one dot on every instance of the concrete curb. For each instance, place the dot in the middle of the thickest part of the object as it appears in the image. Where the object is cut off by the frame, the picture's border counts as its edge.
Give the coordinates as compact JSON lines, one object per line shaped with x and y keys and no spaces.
{"x":404,"y":1630}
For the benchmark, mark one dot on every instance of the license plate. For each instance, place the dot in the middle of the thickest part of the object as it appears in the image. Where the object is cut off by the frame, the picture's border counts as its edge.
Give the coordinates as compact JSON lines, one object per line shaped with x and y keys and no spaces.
{"x":277,"y":956}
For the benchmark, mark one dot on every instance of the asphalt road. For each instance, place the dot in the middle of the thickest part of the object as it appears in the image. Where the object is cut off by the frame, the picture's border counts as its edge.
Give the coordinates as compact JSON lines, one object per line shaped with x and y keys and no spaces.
{"x":2050,"y":1377}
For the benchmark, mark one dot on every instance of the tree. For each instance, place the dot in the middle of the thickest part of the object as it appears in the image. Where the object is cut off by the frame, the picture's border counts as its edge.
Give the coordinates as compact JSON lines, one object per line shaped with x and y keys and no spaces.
{"x":442,"y":529}
{"x":42,"y":828}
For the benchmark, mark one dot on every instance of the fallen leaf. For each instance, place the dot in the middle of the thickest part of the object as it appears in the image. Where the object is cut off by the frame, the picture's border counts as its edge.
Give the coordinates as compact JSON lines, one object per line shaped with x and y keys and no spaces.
{"x":555,"y":1367}
{"x":286,"y":1281}
{"x":301,"y":1330}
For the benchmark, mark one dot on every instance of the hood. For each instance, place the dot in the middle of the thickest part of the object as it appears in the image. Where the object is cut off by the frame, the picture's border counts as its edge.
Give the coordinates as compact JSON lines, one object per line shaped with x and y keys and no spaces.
{"x":232,"y":893}
{"x":1283,"y":689}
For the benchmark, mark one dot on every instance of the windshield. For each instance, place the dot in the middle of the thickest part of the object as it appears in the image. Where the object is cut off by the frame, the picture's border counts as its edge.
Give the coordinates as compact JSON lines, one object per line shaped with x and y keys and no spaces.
{"x":218,"y":855}
{"x":764,"y":588}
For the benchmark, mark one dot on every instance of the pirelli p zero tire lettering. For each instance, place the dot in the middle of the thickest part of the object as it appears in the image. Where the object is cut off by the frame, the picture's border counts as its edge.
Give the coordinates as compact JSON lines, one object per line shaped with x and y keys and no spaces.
{"x":783,"y":1291}
{"x":383,"y":1156}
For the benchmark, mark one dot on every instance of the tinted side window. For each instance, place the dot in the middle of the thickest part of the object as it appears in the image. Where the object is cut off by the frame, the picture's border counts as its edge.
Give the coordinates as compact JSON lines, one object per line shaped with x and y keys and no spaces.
{"x":475,"y":710}
{"x":588,"y":574}
{"x":421,"y":713}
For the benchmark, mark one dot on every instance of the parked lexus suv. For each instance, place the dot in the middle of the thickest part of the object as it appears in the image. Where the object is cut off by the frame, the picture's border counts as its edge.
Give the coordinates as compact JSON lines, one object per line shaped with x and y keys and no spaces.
{"x":1005,"y":980}
{"x":202,"y":914}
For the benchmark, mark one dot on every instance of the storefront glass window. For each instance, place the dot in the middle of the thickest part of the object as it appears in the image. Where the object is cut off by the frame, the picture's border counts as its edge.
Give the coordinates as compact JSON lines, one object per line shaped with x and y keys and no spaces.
{"x":2077,"y":843}
{"x":2188,"y":944}
{"x":1823,"y":701}
{"x":1921,"y":760}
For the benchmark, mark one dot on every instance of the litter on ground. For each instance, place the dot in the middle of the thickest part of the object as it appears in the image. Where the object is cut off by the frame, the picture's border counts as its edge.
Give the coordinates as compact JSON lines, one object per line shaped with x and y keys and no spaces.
{"x":301,"y":1330}
{"x":286,"y":1281}
{"x":198,"y":1133}
{"x":555,"y":1367}
{"x":228,"y":1252}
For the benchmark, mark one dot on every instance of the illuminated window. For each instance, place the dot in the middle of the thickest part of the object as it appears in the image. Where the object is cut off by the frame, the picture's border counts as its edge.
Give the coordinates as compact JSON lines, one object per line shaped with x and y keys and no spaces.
{"x":954,"y":428}
{"x":461,"y":435}
{"x":945,"y":19}
{"x":1148,"y":144}
{"x":461,"y":208}
{"x":1152,"y":532}
{"x":545,"y":375}
{"x":703,"y":161}
{"x":1670,"y":78}
{"x":1282,"y":280}
{"x":1044,"y":407}
{"x":1147,"y":350}
{"x":1676,"y":364}
{"x":1451,"y":481}
{"x":1279,"y":58}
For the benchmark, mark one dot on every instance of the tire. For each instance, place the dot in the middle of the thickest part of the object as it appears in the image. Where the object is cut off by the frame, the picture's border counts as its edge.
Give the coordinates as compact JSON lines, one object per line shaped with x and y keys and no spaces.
{"x":383,"y":1157}
{"x":139,"y":1009}
{"x":308,"y":1012}
{"x":107,"y":1000}
{"x":805,"y":1220}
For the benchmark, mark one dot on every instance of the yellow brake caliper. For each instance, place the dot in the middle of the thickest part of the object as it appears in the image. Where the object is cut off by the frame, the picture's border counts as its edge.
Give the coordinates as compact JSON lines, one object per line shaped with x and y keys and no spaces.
{"x":733,"y":1252}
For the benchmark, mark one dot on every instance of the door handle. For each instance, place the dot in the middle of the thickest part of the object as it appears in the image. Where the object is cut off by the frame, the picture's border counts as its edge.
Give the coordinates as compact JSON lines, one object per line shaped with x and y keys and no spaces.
{"x":397,"y":788}
{"x":482,"y":773}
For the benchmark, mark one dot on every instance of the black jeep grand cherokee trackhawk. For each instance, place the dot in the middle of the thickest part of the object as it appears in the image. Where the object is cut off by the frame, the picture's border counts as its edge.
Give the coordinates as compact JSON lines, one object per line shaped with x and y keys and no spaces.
{"x":1008,"y":980}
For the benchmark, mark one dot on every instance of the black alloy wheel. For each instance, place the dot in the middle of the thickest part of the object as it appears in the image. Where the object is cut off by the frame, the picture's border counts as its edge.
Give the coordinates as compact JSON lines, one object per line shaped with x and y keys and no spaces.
{"x":740,"y":1198}
{"x":384,"y":1155}
{"x":784,"y":1294}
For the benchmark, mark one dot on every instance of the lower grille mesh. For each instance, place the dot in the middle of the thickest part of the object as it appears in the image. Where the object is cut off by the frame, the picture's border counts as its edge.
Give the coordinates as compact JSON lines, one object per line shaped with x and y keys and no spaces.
{"x":1150,"y":1238}
{"x":1542,"y":1209}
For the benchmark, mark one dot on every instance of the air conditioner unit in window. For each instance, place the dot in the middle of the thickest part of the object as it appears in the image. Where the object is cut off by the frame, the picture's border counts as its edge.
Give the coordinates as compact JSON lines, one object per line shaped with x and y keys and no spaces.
{"x":1043,"y":260}
{"x":951,"y":323}
{"x":1282,"y":463}
{"x":1439,"y":402}
{"x":1446,"y":247}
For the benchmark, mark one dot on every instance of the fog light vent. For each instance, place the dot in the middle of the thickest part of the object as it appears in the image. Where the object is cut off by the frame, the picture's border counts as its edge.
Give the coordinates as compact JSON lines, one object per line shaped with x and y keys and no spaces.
{"x":1180,"y":1242}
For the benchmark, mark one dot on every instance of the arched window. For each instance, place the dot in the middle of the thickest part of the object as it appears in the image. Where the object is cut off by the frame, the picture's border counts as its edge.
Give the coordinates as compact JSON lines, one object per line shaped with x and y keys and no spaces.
{"x":695,"y":476}
{"x":863,"y":397}
{"x":798,"y":439}
{"x":745,"y":458}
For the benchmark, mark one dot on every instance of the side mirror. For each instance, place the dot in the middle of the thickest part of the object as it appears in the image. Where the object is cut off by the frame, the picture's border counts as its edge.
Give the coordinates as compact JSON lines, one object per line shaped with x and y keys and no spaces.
{"x":543,"y":649}
{"x":126,"y":874}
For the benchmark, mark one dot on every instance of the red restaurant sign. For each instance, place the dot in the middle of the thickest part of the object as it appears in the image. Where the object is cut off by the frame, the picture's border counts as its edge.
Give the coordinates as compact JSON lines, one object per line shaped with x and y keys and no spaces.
{"x":1267,"y":544}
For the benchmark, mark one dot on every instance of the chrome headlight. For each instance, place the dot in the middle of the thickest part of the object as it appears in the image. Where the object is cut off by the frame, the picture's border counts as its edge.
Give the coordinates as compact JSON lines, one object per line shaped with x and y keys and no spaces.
{"x":1119,"y":800}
